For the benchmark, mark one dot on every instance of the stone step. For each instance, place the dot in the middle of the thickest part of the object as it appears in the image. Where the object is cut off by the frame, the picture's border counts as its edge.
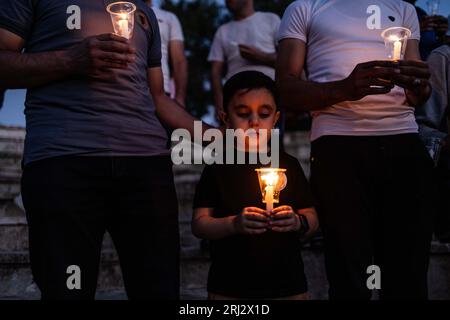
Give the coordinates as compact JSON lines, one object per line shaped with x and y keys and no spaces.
{"x":194,"y":269}
{"x":16,"y":280}
{"x":14,"y":235}
{"x":11,"y":147}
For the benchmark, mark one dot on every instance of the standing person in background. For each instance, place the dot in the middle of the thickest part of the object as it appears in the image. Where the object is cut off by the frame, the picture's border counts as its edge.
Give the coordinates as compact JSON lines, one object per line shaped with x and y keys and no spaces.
{"x":248,"y":42}
{"x":432,"y":30}
{"x":433,"y":119}
{"x":172,"y":50}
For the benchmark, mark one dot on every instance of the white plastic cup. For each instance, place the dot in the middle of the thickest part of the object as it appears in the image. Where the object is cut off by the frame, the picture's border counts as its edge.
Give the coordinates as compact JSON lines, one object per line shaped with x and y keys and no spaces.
{"x":395,"y":40}
{"x":122,"y":17}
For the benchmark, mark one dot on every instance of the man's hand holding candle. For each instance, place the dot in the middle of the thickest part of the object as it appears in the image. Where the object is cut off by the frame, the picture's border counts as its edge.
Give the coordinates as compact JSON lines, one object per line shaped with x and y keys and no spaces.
{"x":96,"y":56}
{"x":256,"y":55}
{"x":414,"y":78}
{"x":368,"y":78}
{"x":439,"y":24}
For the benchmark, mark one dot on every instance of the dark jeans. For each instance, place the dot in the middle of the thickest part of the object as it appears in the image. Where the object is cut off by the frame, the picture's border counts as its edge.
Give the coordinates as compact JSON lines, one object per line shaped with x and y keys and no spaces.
{"x":71,"y":201}
{"x":373,"y":206}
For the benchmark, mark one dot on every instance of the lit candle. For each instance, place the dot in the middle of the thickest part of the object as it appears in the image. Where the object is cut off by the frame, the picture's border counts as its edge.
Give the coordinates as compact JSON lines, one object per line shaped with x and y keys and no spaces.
{"x":269,"y":198}
{"x":397,"y":50}
{"x":271,"y":180}
{"x":122,"y":17}
{"x":123,"y":26}
{"x":395,"y":41}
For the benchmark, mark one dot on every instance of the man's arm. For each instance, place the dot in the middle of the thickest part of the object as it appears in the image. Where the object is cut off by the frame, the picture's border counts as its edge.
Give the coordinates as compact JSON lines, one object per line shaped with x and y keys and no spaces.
{"x":28,"y":70}
{"x":168,"y":110}
{"x":95,"y":56}
{"x":414,"y":77}
{"x":180,"y":69}
{"x":299,"y":95}
{"x":431,"y":117}
{"x":216,"y":83}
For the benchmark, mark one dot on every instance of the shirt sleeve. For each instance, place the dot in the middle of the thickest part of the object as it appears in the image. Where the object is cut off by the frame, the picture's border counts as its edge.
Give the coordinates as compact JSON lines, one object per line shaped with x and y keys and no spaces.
{"x":295,"y":22}
{"x":17,"y":16}
{"x":217,"y":52}
{"x":302,"y":190}
{"x":411,"y":20}
{"x":176,"y":31}
{"x":206,"y":192}
{"x":154,"y":46}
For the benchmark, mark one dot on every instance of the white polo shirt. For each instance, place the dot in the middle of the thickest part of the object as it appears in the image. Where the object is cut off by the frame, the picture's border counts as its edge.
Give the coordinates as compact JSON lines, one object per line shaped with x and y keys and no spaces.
{"x":258,"y":30}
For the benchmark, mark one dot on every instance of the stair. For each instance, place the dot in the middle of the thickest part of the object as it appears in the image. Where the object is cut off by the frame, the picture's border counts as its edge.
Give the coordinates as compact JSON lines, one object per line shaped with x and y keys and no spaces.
{"x":15,"y":275}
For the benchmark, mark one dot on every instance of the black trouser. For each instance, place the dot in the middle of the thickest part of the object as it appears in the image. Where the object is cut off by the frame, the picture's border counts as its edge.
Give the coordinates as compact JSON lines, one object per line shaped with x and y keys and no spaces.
{"x":373,"y":206}
{"x":71,"y":201}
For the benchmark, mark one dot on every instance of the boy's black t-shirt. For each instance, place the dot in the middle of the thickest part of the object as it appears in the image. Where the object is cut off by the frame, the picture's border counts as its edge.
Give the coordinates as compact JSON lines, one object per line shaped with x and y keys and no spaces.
{"x":253,"y":266}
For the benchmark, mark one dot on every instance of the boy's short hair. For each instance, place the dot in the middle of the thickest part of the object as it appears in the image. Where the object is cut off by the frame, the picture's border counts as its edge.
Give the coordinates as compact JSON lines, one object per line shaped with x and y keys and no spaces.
{"x":248,"y":80}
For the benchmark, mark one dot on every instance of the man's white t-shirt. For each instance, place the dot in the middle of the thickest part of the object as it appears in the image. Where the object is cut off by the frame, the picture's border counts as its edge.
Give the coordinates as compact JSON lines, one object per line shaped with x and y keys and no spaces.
{"x":258,"y":30}
{"x":337,"y":38}
{"x":170,"y":30}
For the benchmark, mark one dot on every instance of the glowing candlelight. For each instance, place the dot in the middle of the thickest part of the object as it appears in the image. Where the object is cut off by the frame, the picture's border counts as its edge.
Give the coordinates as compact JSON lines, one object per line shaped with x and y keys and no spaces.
{"x":123,"y":26}
{"x":122,"y":17}
{"x":397,"y":50}
{"x":271,"y":182}
{"x":395,"y":40}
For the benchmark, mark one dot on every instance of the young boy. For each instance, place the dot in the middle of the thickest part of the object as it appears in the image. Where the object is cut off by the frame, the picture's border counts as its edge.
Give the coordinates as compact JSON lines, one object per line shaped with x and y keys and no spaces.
{"x":255,"y":254}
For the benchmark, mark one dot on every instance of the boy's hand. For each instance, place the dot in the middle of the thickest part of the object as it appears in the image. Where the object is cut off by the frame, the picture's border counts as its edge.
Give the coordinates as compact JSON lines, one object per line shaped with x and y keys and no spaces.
{"x":284,"y":219}
{"x":251,"y":220}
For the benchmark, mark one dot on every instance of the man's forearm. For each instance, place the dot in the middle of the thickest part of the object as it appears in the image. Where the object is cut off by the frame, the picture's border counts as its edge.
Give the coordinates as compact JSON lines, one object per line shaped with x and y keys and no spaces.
{"x":269,"y":59}
{"x":300,"y":95}
{"x":175,"y":116}
{"x":180,"y":78}
{"x":28,"y":70}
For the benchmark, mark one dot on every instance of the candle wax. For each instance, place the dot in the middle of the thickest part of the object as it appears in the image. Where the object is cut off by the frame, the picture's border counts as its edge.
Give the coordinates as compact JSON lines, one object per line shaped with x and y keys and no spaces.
{"x":397,"y":50}
{"x":123,"y":28}
{"x":269,"y":198}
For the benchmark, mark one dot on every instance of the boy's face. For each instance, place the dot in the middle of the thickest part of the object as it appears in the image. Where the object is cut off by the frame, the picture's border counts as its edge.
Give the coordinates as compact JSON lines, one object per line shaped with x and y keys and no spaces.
{"x":254,"y":109}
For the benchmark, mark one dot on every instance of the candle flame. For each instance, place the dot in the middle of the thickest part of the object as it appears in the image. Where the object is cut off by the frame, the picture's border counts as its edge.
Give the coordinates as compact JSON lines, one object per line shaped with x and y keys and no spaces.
{"x":271,"y":178}
{"x":394,"y":38}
